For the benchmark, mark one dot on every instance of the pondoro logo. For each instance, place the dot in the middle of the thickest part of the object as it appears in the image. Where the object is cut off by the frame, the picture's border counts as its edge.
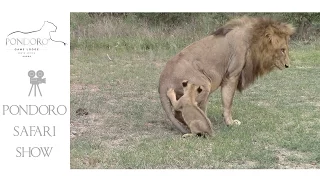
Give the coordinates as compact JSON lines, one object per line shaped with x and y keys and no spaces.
{"x":25,"y":41}
{"x":28,"y":43}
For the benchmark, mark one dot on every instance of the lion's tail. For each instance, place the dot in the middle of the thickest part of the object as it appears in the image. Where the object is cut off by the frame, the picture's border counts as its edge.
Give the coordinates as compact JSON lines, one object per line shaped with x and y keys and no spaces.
{"x":165,"y":102}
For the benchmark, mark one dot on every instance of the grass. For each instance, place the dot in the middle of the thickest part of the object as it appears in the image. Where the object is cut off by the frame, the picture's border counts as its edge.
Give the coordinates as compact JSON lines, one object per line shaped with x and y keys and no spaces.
{"x":115,"y":68}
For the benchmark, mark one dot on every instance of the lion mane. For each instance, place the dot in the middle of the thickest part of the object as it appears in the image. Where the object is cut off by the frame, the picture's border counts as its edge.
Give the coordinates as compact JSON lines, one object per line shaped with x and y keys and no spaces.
{"x":259,"y":58}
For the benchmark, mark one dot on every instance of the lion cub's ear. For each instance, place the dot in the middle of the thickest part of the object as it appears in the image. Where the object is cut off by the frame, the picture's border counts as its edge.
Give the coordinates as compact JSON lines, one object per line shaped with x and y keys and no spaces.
{"x":199,"y":89}
{"x":184,"y":83}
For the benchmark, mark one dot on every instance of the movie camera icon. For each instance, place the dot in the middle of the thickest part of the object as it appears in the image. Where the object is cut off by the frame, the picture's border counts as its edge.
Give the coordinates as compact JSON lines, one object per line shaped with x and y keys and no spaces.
{"x":36,"y":81}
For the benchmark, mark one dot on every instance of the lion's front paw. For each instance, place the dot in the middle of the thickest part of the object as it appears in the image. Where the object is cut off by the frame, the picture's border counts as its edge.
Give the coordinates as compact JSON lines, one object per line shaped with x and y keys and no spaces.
{"x":236,"y":122}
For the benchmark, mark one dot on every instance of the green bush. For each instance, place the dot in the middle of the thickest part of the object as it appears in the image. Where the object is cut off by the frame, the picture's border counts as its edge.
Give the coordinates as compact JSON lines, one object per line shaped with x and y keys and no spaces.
{"x":169,"y":19}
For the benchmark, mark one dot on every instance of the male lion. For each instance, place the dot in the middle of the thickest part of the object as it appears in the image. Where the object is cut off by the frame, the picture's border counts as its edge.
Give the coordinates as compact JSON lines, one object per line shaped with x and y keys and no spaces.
{"x":193,"y":116}
{"x":232,"y":58}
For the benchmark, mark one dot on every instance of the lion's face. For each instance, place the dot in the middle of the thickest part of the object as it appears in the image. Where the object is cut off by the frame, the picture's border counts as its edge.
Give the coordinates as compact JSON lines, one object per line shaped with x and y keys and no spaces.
{"x":281,"y":55}
{"x":269,"y":46}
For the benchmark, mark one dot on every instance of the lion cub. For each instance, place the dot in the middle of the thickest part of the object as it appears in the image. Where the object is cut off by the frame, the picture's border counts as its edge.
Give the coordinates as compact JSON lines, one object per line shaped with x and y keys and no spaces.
{"x":194,"y":117}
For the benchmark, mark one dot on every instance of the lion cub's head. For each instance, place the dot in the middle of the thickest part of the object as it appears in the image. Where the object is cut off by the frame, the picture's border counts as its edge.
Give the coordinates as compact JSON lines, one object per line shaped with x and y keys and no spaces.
{"x":191,"y":90}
